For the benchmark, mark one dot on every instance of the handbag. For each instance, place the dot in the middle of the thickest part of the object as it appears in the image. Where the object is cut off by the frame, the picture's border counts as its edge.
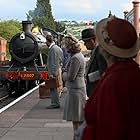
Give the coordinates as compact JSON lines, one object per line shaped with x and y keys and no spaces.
{"x":79,"y":132}
{"x":51,"y":83}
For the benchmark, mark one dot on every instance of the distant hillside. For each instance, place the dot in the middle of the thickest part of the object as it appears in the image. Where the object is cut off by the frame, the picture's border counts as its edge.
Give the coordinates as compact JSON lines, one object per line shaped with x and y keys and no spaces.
{"x":75,"y":27}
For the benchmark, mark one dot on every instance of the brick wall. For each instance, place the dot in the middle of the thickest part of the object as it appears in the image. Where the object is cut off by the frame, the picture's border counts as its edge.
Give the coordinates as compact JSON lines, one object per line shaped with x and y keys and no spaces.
{"x":3,"y":44}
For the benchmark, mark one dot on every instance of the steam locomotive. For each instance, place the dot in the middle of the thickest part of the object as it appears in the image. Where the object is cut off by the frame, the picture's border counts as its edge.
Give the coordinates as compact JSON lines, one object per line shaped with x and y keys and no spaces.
{"x":27,"y":67}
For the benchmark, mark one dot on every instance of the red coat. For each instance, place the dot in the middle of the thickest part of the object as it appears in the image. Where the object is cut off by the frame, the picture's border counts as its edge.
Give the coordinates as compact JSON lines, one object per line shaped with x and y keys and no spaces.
{"x":113,"y":111}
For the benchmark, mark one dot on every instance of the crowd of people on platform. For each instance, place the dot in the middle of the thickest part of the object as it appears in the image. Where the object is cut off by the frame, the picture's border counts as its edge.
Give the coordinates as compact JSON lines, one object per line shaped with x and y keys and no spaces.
{"x":110,"y":80}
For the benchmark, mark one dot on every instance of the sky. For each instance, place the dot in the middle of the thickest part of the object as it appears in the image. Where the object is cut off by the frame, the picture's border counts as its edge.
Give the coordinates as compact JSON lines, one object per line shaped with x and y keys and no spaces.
{"x":79,"y":10}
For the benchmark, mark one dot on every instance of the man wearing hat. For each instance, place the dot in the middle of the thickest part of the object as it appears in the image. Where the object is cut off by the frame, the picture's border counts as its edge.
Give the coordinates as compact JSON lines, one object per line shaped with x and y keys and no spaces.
{"x":97,"y":64}
{"x":113,"y":111}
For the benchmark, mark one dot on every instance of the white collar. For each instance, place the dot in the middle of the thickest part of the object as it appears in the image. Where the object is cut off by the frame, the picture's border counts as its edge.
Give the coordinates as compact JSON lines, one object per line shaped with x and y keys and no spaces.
{"x":53,"y":43}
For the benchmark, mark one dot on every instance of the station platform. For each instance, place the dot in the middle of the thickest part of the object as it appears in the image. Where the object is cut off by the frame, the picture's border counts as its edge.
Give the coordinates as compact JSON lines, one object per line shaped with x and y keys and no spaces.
{"x":29,"y":119}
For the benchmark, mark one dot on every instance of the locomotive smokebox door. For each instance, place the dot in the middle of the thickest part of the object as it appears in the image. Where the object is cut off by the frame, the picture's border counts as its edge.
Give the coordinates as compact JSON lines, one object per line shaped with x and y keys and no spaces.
{"x":24,"y":46}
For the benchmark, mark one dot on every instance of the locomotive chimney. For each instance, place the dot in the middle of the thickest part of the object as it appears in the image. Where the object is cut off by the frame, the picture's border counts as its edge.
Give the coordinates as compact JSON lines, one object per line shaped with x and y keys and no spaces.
{"x":27,"y":26}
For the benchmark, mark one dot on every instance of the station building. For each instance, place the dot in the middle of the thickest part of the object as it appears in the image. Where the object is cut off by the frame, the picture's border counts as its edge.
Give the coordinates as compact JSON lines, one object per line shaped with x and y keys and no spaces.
{"x":133,"y":16}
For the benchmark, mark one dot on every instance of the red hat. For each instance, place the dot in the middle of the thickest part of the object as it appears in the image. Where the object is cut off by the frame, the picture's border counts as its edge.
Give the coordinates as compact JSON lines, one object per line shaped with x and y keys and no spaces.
{"x":118,"y":37}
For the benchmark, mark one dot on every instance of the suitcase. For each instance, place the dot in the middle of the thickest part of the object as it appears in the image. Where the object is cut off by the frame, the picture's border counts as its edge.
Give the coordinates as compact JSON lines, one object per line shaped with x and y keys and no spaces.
{"x":52,"y":83}
{"x":44,"y":92}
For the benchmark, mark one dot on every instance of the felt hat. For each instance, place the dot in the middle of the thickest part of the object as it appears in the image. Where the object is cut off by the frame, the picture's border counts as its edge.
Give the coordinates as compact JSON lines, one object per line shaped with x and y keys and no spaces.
{"x":118,"y":37}
{"x":87,"y":34}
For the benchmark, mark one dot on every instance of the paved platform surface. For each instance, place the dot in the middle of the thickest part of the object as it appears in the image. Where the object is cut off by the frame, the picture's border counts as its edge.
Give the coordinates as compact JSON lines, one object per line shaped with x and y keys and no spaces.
{"x":30,"y":120}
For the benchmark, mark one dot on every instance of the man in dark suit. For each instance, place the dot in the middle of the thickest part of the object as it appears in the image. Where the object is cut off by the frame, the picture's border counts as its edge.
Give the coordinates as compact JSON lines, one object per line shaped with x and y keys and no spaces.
{"x":97,"y":64}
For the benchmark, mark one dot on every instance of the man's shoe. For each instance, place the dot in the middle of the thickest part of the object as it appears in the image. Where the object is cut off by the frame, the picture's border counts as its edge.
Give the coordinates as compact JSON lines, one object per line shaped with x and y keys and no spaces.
{"x":53,"y":107}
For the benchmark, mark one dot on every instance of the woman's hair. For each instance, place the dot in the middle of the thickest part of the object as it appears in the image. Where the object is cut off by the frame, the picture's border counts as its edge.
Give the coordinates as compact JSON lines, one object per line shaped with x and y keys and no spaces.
{"x":71,"y":43}
{"x":75,"y":48}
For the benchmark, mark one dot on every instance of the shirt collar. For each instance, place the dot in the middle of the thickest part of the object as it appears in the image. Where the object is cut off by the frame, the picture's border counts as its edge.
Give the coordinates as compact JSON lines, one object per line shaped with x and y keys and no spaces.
{"x":53,"y":43}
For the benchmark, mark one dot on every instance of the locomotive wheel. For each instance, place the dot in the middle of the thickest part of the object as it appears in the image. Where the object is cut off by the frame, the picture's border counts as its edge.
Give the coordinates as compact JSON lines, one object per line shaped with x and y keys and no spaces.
{"x":14,"y":89}
{"x":11,"y":89}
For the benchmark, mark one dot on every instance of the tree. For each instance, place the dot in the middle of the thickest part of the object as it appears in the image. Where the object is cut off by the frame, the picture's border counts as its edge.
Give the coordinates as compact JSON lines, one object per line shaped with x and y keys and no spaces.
{"x":60,"y":27}
{"x":42,"y":14}
{"x":8,"y":29}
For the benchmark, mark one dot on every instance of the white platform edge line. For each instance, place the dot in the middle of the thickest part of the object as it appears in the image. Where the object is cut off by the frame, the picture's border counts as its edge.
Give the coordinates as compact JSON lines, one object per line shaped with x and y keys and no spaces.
{"x":20,"y":98}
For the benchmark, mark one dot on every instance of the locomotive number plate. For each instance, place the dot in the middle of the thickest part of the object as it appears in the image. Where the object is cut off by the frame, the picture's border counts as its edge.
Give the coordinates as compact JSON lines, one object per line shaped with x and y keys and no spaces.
{"x":27,"y":75}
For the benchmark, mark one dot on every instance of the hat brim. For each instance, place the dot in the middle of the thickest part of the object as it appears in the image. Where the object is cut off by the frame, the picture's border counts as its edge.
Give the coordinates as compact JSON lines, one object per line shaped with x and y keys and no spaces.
{"x":112,"y":49}
{"x":85,"y":39}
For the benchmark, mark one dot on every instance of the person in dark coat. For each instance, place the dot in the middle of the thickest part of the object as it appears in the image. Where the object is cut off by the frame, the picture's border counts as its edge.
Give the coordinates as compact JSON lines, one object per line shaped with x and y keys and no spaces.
{"x":112,"y":112}
{"x":97,"y":64}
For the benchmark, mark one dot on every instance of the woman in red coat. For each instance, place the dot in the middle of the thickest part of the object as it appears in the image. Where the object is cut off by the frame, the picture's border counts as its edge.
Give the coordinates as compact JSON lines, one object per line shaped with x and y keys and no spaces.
{"x":113,"y":111}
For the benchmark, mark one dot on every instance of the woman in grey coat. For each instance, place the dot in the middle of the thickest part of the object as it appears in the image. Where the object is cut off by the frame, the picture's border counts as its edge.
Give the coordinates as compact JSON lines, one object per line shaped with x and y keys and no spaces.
{"x":75,"y":82}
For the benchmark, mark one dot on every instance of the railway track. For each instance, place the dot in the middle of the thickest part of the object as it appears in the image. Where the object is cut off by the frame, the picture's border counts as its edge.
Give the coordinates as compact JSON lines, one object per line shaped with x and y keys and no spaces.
{"x":3,"y":98}
{"x":6,"y":101}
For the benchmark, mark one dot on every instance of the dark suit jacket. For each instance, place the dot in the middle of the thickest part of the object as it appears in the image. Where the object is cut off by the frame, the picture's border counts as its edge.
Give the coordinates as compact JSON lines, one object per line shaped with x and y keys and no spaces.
{"x":96,"y":63}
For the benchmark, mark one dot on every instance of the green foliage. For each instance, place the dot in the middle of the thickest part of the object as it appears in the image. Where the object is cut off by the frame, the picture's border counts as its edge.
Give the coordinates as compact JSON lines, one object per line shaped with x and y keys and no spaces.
{"x":43,"y":8}
{"x":8,"y":29}
{"x":42,"y":16}
{"x":43,"y":22}
{"x":60,"y":27}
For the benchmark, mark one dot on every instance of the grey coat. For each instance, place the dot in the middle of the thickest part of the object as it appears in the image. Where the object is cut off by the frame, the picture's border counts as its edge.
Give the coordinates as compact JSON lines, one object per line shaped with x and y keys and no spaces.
{"x":54,"y":63}
{"x":76,"y":97}
{"x":76,"y":71}
{"x":55,"y":60}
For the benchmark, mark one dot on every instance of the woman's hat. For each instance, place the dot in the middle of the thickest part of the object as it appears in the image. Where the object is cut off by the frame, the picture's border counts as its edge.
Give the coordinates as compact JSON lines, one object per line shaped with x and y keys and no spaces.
{"x":71,"y":37}
{"x":118,"y":37}
{"x":87,"y":34}
{"x":72,"y":43}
